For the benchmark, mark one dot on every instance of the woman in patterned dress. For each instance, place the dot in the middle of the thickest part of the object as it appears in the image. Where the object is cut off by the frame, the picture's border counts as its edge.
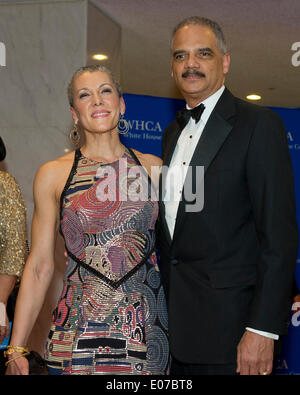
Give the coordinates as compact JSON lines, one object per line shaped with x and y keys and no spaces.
{"x":111,"y":316}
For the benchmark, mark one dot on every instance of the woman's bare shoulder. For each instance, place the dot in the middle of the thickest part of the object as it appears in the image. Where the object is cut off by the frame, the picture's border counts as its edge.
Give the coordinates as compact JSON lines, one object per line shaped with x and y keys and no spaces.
{"x":55,"y":166}
{"x":148,"y":159}
{"x":152,"y":164}
{"x":53,"y":174}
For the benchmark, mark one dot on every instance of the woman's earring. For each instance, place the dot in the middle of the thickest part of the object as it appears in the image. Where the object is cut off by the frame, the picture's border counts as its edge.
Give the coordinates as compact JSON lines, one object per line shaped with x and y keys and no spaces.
{"x":75,"y":135}
{"x":123,"y":125}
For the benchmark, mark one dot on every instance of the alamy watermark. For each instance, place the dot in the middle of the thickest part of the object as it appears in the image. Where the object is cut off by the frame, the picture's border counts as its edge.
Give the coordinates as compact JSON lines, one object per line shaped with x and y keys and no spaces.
{"x":131,"y":183}
{"x":296,"y":56}
{"x":184,"y":183}
{"x":295,"y":320}
{"x":2,"y":54}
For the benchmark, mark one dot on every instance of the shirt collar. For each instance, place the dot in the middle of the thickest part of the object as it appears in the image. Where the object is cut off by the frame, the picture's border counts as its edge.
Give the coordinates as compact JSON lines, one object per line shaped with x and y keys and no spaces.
{"x":210,"y":103}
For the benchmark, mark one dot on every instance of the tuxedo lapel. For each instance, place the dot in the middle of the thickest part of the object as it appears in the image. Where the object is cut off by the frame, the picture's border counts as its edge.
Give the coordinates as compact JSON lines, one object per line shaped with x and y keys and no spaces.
{"x":215,"y":132}
{"x":213,"y":137}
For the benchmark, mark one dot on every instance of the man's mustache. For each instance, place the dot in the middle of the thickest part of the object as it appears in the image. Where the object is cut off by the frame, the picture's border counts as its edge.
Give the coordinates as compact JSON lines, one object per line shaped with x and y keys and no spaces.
{"x":193,"y":72}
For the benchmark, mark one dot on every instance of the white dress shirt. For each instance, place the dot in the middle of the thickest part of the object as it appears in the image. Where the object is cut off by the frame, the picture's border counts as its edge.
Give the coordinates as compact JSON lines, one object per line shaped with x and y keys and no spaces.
{"x":181,"y":158}
{"x":178,"y":167}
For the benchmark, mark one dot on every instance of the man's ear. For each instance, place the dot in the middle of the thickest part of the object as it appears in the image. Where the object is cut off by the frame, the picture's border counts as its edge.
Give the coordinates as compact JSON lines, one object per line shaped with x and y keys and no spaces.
{"x":171,"y":64}
{"x":226,"y":63}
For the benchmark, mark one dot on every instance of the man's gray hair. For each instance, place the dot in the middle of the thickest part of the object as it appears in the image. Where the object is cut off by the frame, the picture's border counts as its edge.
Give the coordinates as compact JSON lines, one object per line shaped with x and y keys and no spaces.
{"x":91,"y":69}
{"x":201,"y":21}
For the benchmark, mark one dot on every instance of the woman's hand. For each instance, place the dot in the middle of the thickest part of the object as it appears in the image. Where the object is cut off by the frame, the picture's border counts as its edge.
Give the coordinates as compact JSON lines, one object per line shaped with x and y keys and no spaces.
{"x":19,"y":366}
{"x":4,"y":323}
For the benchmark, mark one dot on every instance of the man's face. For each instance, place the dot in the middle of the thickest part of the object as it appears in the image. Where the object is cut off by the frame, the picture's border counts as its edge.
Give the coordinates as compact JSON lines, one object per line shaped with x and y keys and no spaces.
{"x":198,"y":65}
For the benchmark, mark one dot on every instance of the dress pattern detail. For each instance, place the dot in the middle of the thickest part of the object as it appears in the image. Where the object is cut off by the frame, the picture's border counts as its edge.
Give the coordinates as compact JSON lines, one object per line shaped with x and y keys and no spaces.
{"x":13,"y":228}
{"x":111,"y":317}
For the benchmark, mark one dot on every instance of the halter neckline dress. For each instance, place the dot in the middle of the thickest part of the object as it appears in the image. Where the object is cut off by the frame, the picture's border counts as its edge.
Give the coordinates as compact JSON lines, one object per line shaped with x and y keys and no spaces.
{"x":111,"y":317}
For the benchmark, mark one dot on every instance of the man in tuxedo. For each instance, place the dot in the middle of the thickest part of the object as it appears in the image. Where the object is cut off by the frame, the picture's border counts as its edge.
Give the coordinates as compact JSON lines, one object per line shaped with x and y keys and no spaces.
{"x":228,"y":261}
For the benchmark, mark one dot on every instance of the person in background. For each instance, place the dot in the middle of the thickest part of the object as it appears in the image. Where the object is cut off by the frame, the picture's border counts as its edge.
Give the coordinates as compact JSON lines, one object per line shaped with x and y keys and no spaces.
{"x":111,"y":317}
{"x":13,"y":247}
{"x":228,"y":236}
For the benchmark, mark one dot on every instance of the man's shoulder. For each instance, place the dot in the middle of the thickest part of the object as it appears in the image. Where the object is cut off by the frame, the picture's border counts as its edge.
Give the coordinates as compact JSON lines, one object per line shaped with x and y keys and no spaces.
{"x":254,"y":117}
{"x":254,"y":110}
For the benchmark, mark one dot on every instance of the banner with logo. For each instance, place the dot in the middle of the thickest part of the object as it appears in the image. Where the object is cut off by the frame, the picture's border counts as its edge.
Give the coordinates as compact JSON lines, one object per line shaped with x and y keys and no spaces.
{"x":289,"y":361}
{"x":147,"y":118}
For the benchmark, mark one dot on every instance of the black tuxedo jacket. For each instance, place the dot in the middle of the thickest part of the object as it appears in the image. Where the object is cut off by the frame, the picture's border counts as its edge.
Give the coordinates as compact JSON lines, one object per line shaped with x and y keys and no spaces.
{"x":231,"y":265}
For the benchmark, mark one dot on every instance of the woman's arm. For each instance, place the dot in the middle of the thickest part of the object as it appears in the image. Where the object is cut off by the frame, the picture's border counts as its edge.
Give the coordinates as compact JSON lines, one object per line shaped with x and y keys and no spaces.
{"x":13,"y":227}
{"x":7,"y":284}
{"x":39,"y":265}
{"x":13,"y":250}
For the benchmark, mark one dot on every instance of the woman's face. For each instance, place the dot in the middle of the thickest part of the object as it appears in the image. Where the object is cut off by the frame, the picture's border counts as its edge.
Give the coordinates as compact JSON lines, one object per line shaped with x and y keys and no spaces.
{"x":96,"y":102}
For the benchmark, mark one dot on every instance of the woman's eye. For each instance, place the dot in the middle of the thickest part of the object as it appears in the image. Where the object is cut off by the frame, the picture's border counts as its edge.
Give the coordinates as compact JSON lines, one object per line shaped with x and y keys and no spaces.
{"x":106,"y":90}
{"x":82,"y":95}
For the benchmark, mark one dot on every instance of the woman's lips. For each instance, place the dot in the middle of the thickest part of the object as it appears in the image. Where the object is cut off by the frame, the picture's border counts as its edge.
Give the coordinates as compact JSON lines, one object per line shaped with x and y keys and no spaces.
{"x":100,"y":114}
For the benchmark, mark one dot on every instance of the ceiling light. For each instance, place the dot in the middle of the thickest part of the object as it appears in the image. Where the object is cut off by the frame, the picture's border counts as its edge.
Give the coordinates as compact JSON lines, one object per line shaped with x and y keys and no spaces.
{"x":100,"y":56}
{"x":66,"y":150}
{"x":253,"y":97}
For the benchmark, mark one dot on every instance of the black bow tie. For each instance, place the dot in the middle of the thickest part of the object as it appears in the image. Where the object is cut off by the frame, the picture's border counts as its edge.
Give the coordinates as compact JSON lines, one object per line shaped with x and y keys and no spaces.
{"x":184,"y":115}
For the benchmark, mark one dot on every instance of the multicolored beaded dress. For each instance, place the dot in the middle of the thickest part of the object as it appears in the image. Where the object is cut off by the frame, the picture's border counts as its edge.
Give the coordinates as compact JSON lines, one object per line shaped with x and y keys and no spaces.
{"x":111,"y":317}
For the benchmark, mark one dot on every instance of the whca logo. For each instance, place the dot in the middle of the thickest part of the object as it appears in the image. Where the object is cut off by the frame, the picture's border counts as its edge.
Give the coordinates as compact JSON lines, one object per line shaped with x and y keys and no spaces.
{"x":2,"y":54}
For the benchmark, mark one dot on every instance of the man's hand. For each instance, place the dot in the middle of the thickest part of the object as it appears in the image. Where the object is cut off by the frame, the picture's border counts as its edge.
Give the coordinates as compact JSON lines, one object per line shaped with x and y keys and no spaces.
{"x":255,"y":354}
